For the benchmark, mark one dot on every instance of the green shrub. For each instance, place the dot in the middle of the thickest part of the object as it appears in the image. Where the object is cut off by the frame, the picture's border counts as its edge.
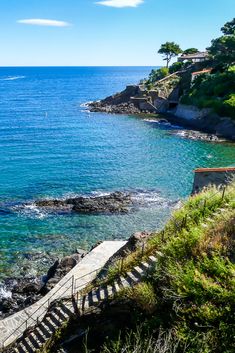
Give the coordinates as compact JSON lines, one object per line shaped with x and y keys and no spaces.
{"x":216,"y":91}
{"x":177,"y":66}
{"x":158,"y":74}
{"x":229,"y":105}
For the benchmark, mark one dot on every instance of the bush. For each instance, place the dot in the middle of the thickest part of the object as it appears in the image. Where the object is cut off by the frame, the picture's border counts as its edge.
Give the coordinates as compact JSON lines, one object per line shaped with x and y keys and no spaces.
{"x":177,"y":66}
{"x":157,"y":75}
{"x":214,"y":91}
{"x":229,"y":105}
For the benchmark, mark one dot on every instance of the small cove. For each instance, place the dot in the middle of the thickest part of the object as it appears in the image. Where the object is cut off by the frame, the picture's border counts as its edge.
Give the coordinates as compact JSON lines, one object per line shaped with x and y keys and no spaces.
{"x":52,"y":148}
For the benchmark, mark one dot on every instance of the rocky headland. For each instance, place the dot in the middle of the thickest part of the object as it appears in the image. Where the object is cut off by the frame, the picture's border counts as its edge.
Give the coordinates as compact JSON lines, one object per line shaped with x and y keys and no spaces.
{"x":165,"y":99}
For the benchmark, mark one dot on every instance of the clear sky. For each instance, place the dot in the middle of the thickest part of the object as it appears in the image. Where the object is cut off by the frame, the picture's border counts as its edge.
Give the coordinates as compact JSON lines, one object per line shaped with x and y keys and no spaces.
{"x":108,"y":32}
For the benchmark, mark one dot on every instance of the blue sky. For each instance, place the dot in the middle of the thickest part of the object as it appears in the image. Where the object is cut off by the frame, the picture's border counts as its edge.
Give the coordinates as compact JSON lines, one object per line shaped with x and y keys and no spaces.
{"x":108,"y":32}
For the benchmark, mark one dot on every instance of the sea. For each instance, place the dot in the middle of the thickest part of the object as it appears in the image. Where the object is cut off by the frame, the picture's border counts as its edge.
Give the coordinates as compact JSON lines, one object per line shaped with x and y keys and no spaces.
{"x":53,"y":147}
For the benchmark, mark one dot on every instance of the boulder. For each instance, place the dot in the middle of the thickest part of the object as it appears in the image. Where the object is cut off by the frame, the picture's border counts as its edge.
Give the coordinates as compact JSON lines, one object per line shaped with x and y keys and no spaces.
{"x":138,"y":239}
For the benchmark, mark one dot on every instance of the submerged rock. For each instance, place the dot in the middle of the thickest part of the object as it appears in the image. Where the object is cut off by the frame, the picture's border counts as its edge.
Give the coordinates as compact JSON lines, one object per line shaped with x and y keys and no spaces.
{"x":116,"y":202}
{"x":197,"y":135}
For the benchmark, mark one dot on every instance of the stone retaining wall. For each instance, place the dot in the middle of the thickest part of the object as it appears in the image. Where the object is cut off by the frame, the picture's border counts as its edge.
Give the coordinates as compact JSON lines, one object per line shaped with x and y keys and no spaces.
{"x":212,"y":176}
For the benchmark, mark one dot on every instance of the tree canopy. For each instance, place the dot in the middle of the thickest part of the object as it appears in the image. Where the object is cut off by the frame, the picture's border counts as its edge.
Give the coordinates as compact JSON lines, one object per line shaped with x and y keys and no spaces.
{"x":229,"y":28}
{"x":190,"y":51}
{"x":222,"y":49}
{"x":169,"y":50}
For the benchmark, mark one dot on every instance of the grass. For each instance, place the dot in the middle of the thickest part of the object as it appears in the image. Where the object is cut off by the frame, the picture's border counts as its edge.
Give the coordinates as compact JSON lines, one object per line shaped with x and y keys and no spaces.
{"x":192,"y":289}
{"x":187,"y":302}
{"x":139,"y":341}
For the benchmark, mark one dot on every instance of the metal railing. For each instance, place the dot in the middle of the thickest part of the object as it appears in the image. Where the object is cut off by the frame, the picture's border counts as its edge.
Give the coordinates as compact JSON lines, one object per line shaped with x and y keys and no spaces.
{"x":76,"y":288}
{"x":202,"y":206}
{"x":47,"y":303}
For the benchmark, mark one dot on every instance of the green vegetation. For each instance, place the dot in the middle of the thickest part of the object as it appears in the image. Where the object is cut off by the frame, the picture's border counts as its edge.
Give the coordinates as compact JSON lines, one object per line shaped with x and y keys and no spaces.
{"x":190,"y":295}
{"x":169,"y":50}
{"x":215,"y":91}
{"x":186,"y":303}
{"x":223,"y":48}
{"x":156,"y":75}
{"x":140,"y":341}
{"x":190,"y":51}
{"x":229,"y":27}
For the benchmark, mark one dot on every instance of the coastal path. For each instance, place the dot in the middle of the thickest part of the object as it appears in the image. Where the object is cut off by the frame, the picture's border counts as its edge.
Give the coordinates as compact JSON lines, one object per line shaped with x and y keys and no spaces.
{"x":84,"y":272}
{"x":40,"y":335}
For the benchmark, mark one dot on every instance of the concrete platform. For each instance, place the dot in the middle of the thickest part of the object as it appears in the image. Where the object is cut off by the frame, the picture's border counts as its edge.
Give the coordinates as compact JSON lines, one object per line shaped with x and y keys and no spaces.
{"x":84,"y":272}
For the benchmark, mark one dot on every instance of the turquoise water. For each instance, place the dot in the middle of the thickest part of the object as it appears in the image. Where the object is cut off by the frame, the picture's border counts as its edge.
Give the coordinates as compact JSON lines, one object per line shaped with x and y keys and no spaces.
{"x":52,"y":147}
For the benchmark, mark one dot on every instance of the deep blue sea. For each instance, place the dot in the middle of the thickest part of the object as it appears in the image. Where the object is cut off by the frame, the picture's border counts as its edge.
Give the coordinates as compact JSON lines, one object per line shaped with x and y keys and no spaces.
{"x":51,"y":146}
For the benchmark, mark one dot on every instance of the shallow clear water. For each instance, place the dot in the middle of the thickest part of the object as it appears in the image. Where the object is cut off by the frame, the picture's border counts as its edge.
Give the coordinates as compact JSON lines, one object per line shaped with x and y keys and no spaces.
{"x":52,"y":147}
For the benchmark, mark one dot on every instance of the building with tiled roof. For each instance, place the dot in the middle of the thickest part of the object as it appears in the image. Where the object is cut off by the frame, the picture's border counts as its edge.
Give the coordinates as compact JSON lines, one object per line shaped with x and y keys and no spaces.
{"x":197,"y":57}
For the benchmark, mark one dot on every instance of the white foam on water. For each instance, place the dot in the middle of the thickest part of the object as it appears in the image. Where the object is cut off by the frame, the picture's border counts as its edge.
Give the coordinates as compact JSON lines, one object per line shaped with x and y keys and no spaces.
{"x":86,"y":104}
{"x":209,"y":156}
{"x":151,"y":121}
{"x":151,"y":198}
{"x":4,"y":292}
{"x":31,"y":210}
{"x":12,"y":78}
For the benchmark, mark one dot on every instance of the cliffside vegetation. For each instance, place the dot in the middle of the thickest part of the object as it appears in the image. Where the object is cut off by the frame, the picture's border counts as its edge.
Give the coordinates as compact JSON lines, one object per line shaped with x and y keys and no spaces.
{"x":187,"y":303}
{"x":214,"y":89}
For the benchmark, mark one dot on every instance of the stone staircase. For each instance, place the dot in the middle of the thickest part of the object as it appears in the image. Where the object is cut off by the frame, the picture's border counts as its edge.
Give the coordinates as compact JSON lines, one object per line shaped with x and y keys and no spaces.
{"x":35,"y":338}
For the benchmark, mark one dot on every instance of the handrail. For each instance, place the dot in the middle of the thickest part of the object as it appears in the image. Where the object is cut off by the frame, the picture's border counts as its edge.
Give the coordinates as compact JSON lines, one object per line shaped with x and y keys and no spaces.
{"x":48,"y":302}
{"x":84,"y":284}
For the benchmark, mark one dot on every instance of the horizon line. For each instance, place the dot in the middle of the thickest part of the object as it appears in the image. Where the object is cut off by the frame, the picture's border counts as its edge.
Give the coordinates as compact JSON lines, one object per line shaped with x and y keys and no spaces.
{"x":3,"y":66}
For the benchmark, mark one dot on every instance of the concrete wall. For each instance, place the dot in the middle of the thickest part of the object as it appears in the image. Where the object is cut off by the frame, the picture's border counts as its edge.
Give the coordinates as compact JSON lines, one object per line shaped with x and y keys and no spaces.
{"x":212,"y":176}
{"x":189,"y":112}
{"x":205,"y":120}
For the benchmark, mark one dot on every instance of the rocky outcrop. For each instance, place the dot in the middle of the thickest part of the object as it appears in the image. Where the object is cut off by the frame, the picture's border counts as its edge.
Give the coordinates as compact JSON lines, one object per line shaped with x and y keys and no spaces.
{"x":116,"y":202}
{"x":119,"y":103}
{"x":122,"y":108}
{"x":205,"y":120}
{"x":196,"y":135}
{"x":19,"y":293}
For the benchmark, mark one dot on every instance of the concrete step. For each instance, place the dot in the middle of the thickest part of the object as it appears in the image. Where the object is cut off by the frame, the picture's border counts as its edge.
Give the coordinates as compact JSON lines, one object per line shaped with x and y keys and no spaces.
{"x":102,"y":293}
{"x":116,"y":287}
{"x":133,"y":277}
{"x":152,"y":259}
{"x":67,"y":309}
{"x":49,"y":325}
{"x":144,"y":266}
{"x":39,"y":335}
{"x":124,"y":283}
{"x":139,"y":271}
{"x":61,"y":314}
{"x":35,"y":344}
{"x":44,"y":330}
{"x":110,"y":291}
{"x":56,"y":320}
{"x":20,"y":349}
{"x":27,"y":345}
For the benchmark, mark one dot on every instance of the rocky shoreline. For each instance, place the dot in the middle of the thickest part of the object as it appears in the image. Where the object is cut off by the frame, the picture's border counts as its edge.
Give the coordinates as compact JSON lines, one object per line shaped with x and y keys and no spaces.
{"x":17,"y":293}
{"x":136,"y":100}
{"x":131,"y":109}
